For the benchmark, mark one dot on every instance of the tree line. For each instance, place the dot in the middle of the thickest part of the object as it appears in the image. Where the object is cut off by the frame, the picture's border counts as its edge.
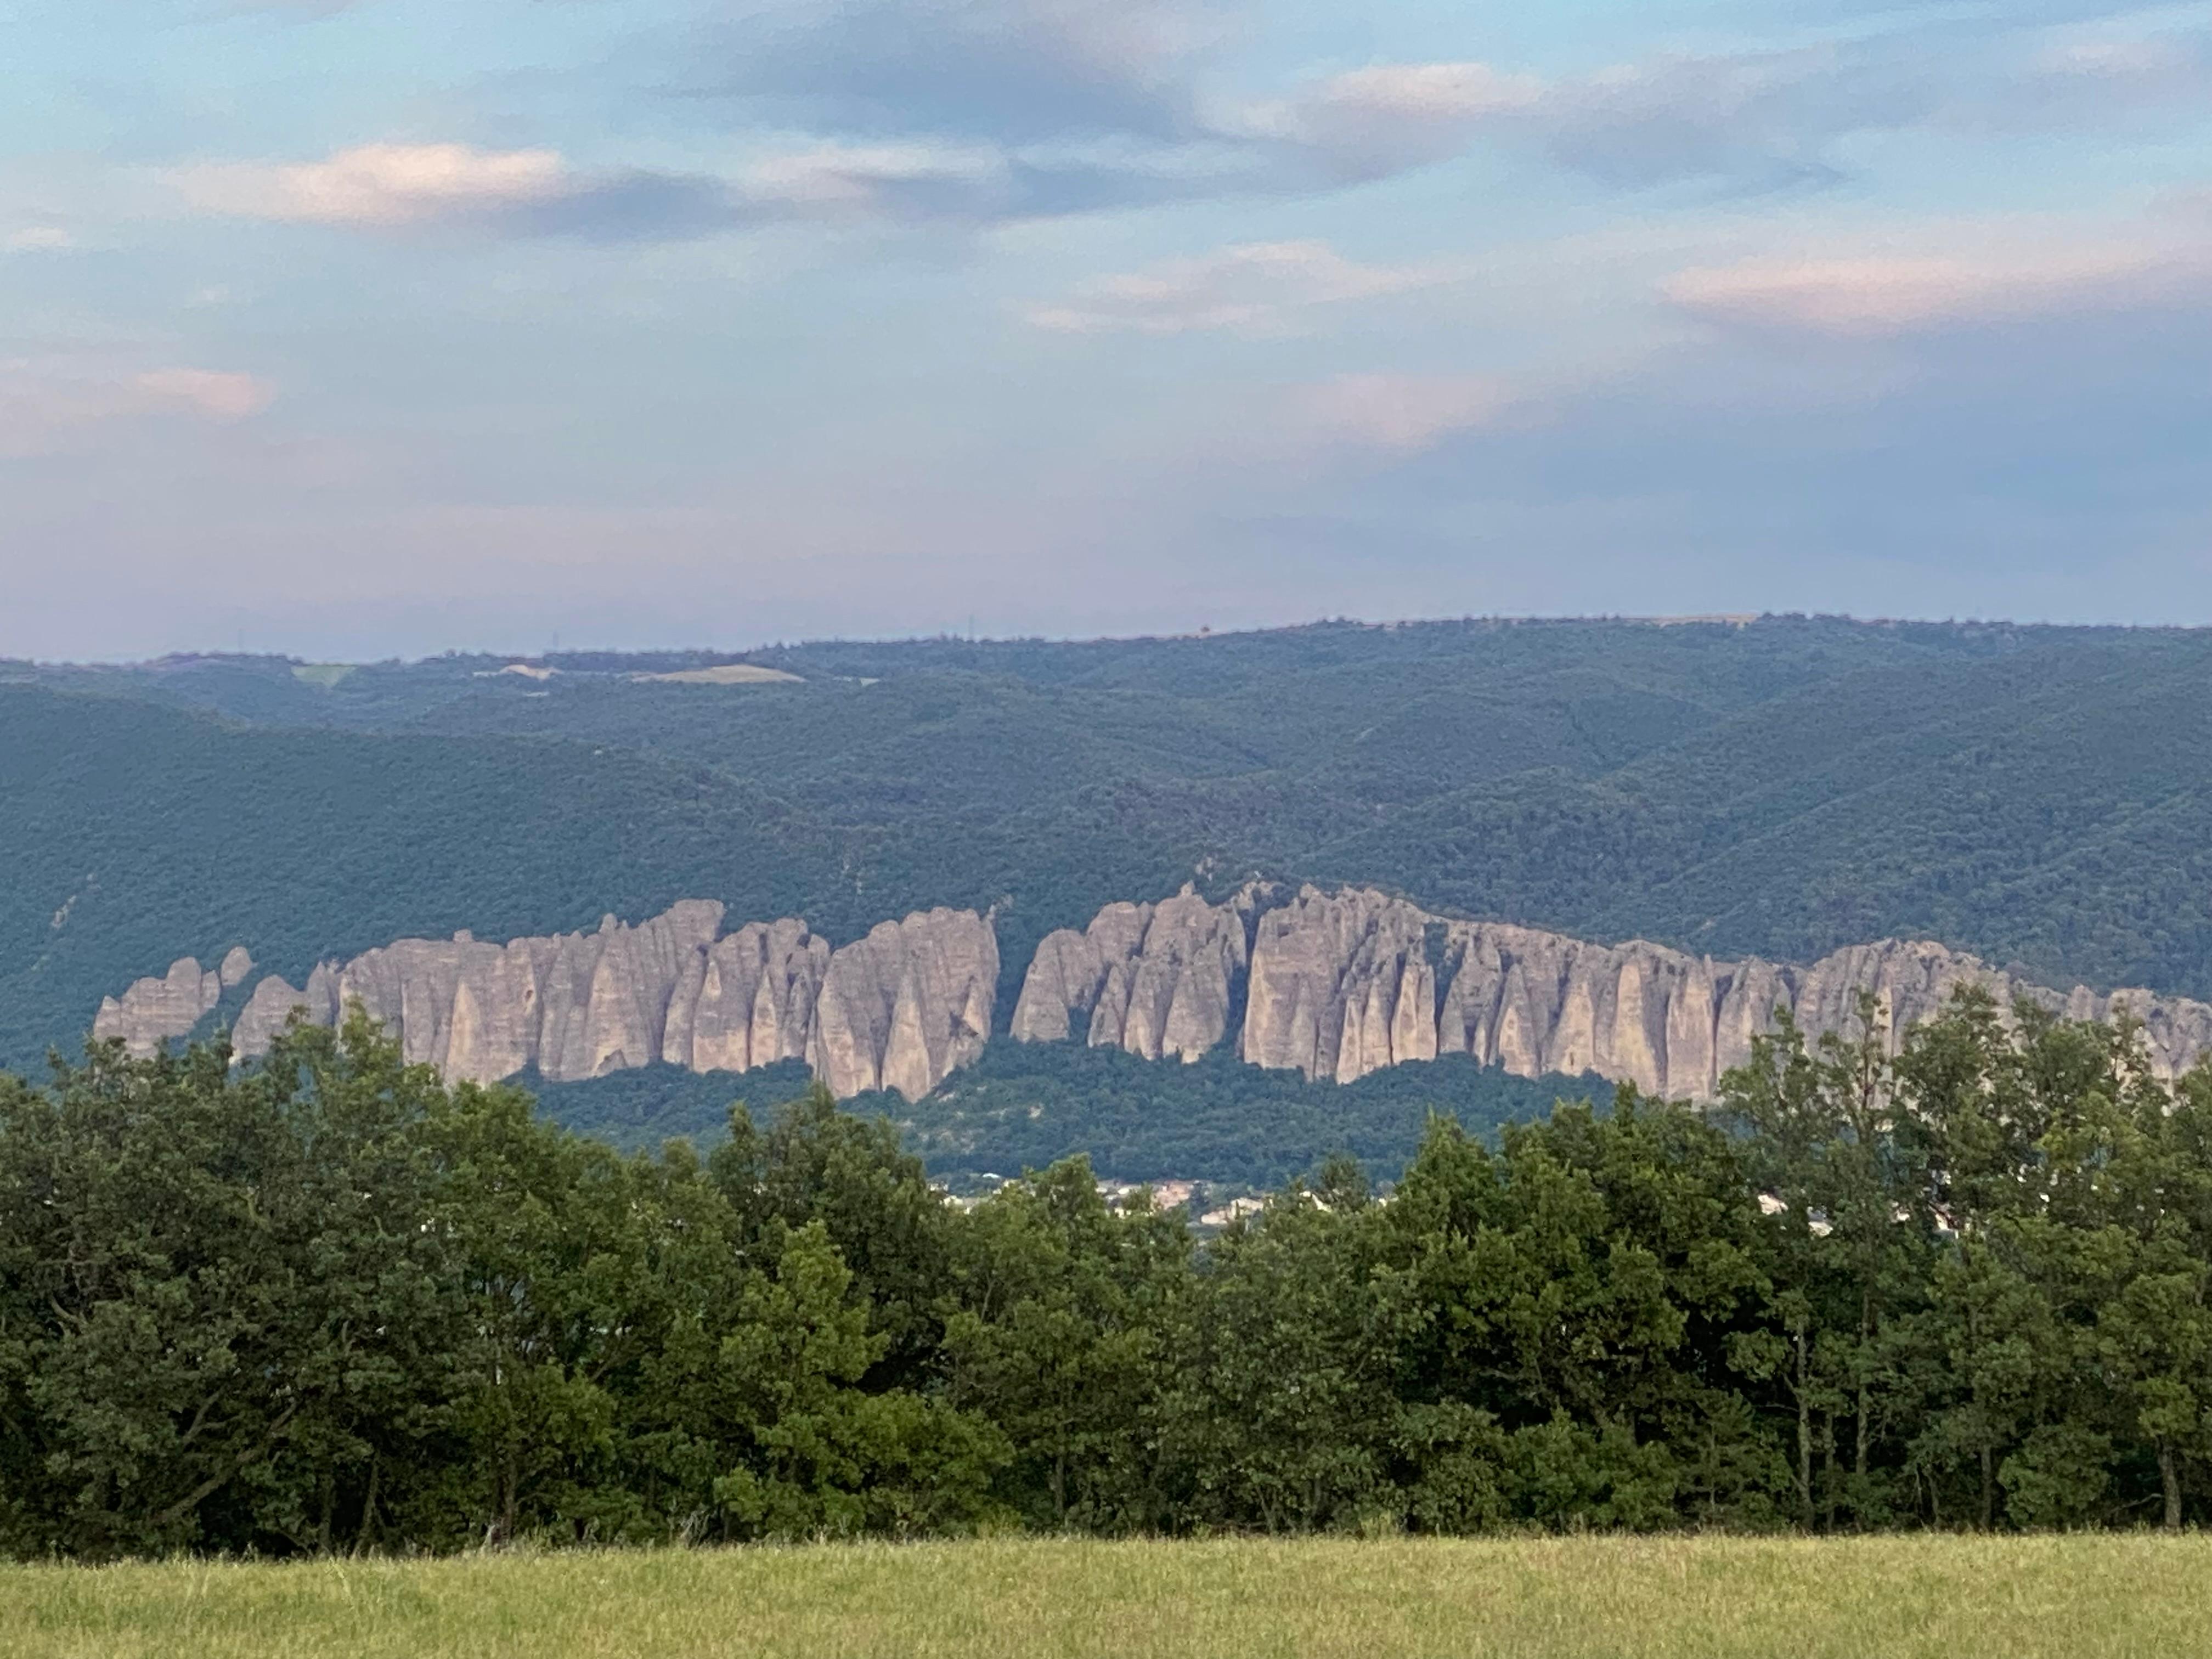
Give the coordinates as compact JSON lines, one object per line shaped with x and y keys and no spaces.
{"x":325,"y":1303}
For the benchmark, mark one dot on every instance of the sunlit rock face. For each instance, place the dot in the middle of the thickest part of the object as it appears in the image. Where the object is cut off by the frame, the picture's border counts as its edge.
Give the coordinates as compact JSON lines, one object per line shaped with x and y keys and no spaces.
{"x":1337,"y":985}
{"x":1332,"y":985}
{"x":1340,"y":986}
{"x":899,"y":1009}
{"x":904,"y":1006}
{"x":747,"y":999}
{"x":153,"y":1011}
{"x":1154,"y":979}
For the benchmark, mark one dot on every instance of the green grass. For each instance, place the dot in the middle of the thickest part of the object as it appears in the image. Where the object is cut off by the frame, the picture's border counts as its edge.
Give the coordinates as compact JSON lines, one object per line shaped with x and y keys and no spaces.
{"x":2081,"y":1597}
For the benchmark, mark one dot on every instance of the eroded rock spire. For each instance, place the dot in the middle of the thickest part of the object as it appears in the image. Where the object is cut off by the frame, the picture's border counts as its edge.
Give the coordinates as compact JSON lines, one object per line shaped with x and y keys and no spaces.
{"x":899,"y":1009}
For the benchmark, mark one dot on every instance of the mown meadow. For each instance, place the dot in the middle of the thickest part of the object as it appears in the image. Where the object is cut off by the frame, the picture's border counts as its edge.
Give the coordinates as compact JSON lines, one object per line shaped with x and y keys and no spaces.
{"x":2082,"y":1596}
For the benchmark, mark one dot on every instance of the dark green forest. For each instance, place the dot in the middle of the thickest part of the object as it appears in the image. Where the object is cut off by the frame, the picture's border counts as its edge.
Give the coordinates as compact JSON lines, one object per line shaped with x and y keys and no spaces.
{"x":325,"y":1304}
{"x":1027,"y":1105}
{"x":2040,"y":796}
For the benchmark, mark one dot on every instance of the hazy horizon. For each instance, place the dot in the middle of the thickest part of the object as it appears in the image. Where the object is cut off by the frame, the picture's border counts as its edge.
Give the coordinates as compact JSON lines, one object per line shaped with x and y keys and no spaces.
{"x":550,"y":651}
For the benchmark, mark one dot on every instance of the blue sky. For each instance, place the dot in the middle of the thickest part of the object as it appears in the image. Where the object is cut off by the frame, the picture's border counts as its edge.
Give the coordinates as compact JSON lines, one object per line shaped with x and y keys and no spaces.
{"x":402,"y":326}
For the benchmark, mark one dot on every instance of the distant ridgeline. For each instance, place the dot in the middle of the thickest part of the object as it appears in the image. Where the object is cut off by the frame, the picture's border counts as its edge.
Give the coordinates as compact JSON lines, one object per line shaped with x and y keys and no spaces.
{"x":1332,"y":985}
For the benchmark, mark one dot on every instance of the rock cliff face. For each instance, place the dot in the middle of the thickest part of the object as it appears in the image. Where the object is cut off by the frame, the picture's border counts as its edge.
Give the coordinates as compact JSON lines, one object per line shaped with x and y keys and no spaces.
{"x":1332,"y":985}
{"x":1154,"y":979}
{"x":153,"y":1010}
{"x":902,"y":1007}
{"x":1338,"y":985}
{"x":899,"y":1009}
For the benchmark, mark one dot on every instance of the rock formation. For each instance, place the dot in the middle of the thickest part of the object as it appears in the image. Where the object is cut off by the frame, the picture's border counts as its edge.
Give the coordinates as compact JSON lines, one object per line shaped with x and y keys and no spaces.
{"x":1338,"y":985}
{"x":748,"y":1000}
{"x":1154,"y":979}
{"x":273,"y":1003}
{"x":897,"y":1010}
{"x":154,"y":1010}
{"x":1333,"y":985}
{"x":902,"y":1007}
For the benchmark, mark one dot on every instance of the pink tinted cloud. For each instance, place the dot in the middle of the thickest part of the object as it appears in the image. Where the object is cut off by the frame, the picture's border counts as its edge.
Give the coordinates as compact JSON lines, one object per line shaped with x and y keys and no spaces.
{"x":47,"y":407}
{"x":1888,"y":294}
{"x":866,"y":177}
{"x":1403,"y":413}
{"x":383,"y":185}
{"x":1252,"y":287}
{"x":215,"y":394}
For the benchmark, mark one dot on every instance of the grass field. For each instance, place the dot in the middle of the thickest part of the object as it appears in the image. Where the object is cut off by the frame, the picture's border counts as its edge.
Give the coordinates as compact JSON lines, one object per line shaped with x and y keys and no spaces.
{"x":1949,"y":1598}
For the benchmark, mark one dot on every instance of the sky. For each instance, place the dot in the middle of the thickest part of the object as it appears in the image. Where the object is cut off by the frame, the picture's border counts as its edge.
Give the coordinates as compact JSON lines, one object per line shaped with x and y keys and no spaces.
{"x":397,"y":326}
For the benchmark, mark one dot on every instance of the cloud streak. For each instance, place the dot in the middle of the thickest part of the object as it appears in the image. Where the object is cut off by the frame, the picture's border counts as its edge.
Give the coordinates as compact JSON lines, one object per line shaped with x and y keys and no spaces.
{"x":1257,"y":289}
{"x":405,"y":188}
{"x":1757,"y":118}
{"x":1013,"y":70}
{"x":386,"y":186}
{"x":48,"y":407}
{"x":1973,"y":275}
{"x":1403,"y":413}
{"x":1883,"y":295}
{"x":399,"y":187}
{"x":986,"y":112}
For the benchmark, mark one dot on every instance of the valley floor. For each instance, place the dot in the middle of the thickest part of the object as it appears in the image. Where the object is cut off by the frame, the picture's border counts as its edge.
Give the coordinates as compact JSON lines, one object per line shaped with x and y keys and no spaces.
{"x":2082,"y":1596}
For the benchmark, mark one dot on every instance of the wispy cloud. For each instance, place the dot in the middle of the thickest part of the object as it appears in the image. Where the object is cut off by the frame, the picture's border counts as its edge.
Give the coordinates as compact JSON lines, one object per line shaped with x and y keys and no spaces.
{"x":387,"y":184}
{"x":39,"y":238}
{"x":45,"y":406}
{"x":2084,"y":77}
{"x":1255,"y":289}
{"x":531,"y":192}
{"x":872,"y":177}
{"x":986,"y":112}
{"x":1964,"y":275}
{"x":216,"y":394}
{"x":1403,"y":413}
{"x":1019,"y":70}
{"x":1762,"y":116}
{"x":395,"y":186}
{"x":924,"y":181}
{"x":1757,"y":118}
{"x":1390,"y":116}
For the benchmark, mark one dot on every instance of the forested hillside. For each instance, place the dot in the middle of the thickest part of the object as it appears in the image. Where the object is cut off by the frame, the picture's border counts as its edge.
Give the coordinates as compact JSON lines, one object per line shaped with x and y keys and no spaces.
{"x":1026,"y":1106}
{"x":2041,"y":797}
{"x":134,"y":833}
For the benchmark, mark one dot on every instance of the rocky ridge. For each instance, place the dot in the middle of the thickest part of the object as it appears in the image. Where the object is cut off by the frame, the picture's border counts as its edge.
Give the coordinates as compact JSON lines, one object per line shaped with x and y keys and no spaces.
{"x":1338,"y":985}
{"x":1332,"y":985}
{"x":899,"y":1009}
{"x":154,"y":1010}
